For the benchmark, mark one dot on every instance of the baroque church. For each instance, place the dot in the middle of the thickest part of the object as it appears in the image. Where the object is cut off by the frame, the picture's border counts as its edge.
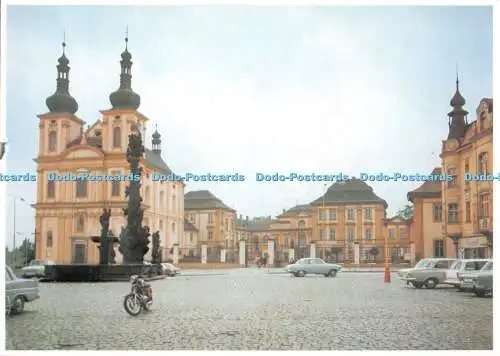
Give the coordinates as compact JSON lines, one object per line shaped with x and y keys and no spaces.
{"x":67,"y":212}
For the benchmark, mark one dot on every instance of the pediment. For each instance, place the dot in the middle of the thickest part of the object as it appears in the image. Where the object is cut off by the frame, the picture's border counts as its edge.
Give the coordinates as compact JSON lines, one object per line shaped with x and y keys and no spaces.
{"x":82,"y":153}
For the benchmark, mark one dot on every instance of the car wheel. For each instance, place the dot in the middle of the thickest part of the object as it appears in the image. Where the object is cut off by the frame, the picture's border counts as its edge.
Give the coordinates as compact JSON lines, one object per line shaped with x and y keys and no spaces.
{"x":431,"y":283}
{"x":460,"y":289}
{"x":480,"y":293}
{"x":332,"y":273}
{"x":301,"y":273}
{"x":417,"y":285}
{"x":18,"y":305}
{"x":295,"y":274}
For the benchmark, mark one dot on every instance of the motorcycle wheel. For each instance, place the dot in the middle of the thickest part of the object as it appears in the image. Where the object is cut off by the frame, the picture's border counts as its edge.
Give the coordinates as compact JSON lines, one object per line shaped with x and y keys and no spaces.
{"x":147,"y":305}
{"x":132,"y":304}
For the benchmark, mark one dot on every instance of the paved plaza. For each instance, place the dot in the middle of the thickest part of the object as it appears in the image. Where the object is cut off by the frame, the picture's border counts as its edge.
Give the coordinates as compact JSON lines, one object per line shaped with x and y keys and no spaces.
{"x":255,"y":309}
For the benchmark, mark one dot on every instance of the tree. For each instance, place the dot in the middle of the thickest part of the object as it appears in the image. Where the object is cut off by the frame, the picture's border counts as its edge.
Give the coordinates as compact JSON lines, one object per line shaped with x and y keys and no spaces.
{"x":27,"y":251}
{"x":406,"y":213}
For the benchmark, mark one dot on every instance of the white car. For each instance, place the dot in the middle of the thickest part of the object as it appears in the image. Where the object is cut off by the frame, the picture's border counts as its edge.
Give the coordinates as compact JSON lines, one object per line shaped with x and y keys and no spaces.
{"x":170,"y":270}
{"x":36,"y":268}
{"x":461,"y":266}
{"x":467,"y":278}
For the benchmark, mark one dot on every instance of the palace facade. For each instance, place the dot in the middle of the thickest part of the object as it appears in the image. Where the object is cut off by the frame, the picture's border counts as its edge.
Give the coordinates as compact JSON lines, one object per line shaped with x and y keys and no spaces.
{"x":455,"y":218}
{"x":213,"y":220}
{"x":67,"y":212}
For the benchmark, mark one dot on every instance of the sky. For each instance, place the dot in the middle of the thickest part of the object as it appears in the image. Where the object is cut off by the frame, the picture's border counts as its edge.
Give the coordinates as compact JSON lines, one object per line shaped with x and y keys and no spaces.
{"x":257,"y":89}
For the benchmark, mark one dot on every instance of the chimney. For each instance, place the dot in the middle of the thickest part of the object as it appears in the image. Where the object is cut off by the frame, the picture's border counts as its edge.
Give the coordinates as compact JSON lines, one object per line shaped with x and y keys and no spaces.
{"x":247,"y":217}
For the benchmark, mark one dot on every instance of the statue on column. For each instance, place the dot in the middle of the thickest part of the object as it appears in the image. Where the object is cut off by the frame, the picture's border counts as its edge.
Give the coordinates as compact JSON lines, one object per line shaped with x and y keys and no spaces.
{"x":156,"y":252}
{"x":134,"y":238}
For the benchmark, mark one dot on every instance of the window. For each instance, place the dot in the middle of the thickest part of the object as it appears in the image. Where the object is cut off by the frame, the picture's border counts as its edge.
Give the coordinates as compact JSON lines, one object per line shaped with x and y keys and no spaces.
{"x":174,"y":202}
{"x":52,"y":141}
{"x":484,"y":205}
{"x":402,"y":233}
{"x":115,"y":186}
{"x":350,"y":235}
{"x":452,"y":213}
{"x":452,"y":172}
{"x":161,"y":225}
{"x":210,"y":235}
{"x":81,"y":188}
{"x":97,"y":133}
{"x":49,"y":239}
{"x":173,"y":228}
{"x":332,"y":214}
{"x":80,"y":223}
{"x":146,"y":194}
{"x":438,"y":248}
{"x":321,"y":234}
{"x":190,"y":237}
{"x":368,"y":213}
{"x":466,"y":170}
{"x":226,"y":224}
{"x":437,"y":212}
{"x":467,"y":212}
{"x":117,"y":137}
{"x":368,"y":234}
{"x":333,"y":235}
{"x":321,"y":216}
{"x":162,"y":199}
{"x":210,"y":218}
{"x":442,"y":264}
{"x":392,"y":233}
{"x":350,"y":214}
{"x":483,"y":163}
{"x":51,"y":189}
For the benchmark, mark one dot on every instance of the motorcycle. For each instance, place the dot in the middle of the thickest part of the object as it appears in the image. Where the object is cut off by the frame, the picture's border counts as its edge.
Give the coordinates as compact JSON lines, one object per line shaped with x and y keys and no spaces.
{"x":140,"y":297}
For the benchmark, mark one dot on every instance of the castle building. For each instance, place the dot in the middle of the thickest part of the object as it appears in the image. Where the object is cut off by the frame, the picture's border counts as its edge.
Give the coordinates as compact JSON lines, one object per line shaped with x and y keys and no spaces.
{"x":462,"y":207}
{"x":68,"y":211}
{"x":214,"y":221}
{"x":349,"y":214}
{"x":427,"y":229}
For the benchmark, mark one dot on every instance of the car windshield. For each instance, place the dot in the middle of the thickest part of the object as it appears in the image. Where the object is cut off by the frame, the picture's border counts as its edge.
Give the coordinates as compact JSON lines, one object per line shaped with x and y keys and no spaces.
{"x":456,"y":265}
{"x":487,"y":267}
{"x":36,"y":263}
{"x":424,"y":264}
{"x":302,"y":261}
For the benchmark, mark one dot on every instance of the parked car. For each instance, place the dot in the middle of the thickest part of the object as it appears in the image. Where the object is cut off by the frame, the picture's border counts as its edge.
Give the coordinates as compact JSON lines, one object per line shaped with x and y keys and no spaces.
{"x":313,"y":266}
{"x":19,"y":291}
{"x":170,"y":270}
{"x":428,"y":272}
{"x":36,"y":268}
{"x":483,"y":283}
{"x":461,"y":266}
{"x":466,"y":277}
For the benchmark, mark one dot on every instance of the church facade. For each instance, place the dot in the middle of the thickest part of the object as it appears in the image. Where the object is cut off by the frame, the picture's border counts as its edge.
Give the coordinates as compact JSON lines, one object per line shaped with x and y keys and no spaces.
{"x":68,"y":211}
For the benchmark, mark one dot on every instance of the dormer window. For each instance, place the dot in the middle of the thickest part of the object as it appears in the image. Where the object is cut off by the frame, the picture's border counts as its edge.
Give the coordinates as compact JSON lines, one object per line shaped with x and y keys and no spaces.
{"x":482,"y":121}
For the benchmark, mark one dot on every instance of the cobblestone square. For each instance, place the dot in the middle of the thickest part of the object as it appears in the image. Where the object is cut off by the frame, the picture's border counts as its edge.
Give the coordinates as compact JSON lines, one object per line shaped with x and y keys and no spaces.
{"x":255,"y":309}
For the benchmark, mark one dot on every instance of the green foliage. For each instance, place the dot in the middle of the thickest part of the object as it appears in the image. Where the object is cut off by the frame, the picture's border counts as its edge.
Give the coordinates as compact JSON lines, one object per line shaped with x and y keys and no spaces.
{"x":406,"y":213}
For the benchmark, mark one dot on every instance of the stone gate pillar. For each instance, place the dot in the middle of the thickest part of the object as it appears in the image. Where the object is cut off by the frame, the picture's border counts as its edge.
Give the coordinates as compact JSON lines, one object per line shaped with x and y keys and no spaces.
{"x":242,"y":253}
{"x":223,"y":255}
{"x":175,"y":257}
{"x":356,"y":253}
{"x":270,"y":252}
{"x":312,"y":250}
{"x":204,"y":254}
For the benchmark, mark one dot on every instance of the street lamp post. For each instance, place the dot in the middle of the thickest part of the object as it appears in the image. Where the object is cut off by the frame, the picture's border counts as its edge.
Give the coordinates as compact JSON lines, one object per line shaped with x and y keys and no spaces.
{"x":26,"y":237}
{"x":387,"y":272}
{"x":14,"y":226}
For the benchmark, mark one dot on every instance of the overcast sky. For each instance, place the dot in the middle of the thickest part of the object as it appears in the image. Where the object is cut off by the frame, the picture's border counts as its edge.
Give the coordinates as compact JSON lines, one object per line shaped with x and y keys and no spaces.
{"x":258,"y":89}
